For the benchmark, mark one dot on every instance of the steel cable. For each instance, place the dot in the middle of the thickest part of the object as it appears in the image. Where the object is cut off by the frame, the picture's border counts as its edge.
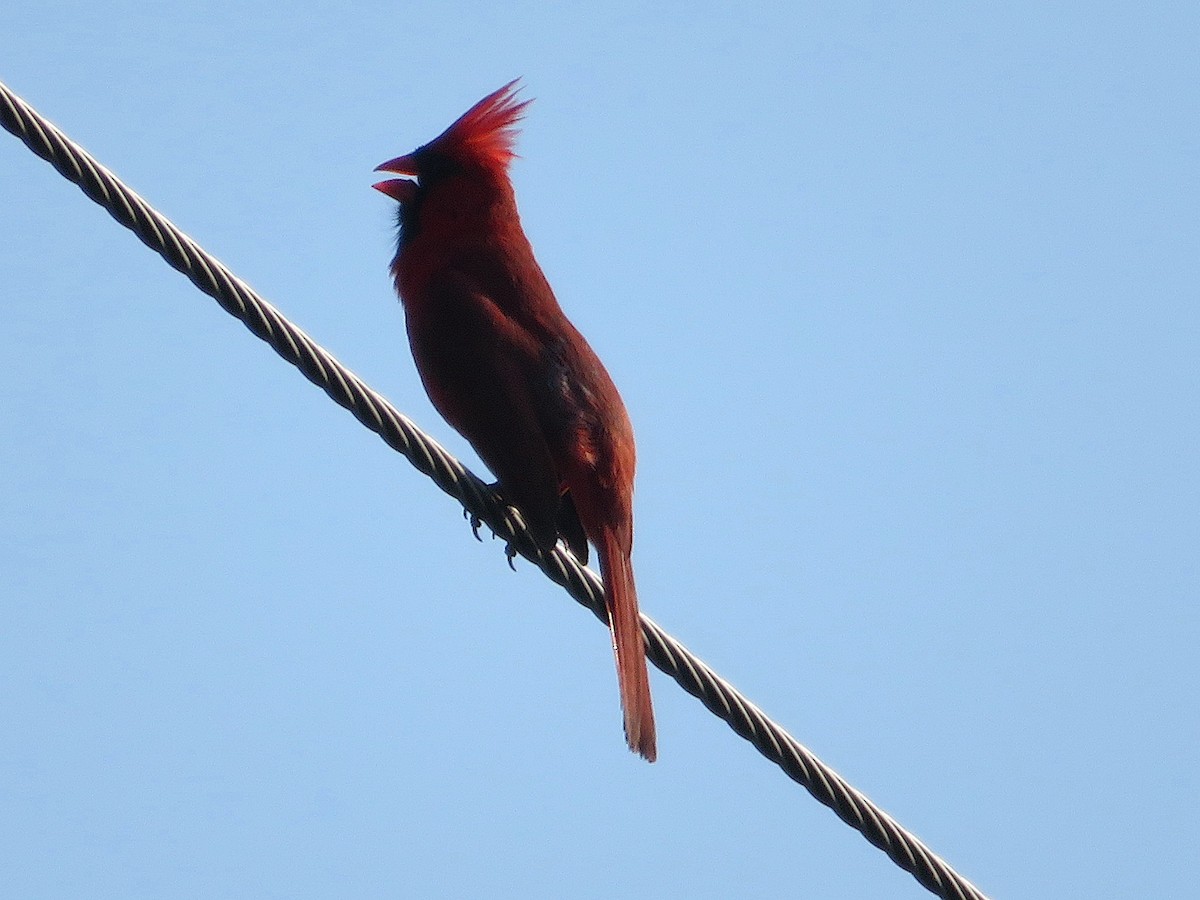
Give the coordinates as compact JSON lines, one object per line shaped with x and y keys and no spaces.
{"x":477,"y":498}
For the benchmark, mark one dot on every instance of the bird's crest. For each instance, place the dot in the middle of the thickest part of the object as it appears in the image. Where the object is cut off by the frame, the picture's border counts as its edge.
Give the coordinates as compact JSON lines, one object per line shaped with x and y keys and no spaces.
{"x":485,"y":133}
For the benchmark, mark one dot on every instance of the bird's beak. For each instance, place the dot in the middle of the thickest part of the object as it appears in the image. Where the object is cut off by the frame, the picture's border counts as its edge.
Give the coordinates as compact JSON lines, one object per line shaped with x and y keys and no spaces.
{"x":399,"y":189}
{"x":401,"y":165}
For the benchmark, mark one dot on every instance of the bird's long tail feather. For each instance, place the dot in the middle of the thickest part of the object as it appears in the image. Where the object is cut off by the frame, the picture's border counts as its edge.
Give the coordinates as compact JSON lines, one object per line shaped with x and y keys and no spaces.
{"x":620,"y":594}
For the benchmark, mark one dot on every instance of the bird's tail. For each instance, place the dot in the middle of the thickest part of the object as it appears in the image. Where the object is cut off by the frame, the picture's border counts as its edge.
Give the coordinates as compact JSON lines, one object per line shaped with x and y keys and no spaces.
{"x":620,"y":595}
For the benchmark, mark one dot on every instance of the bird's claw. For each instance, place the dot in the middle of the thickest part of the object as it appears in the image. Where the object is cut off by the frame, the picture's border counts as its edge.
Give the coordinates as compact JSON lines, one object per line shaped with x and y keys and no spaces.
{"x":475,"y":522}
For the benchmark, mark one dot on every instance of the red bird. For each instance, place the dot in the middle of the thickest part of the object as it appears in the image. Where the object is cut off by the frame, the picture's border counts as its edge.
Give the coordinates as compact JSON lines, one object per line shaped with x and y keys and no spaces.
{"x":505,"y":367}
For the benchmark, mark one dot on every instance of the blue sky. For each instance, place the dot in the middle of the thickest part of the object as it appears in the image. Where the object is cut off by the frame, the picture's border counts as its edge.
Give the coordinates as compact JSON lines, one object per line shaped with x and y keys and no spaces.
{"x":902,"y":299}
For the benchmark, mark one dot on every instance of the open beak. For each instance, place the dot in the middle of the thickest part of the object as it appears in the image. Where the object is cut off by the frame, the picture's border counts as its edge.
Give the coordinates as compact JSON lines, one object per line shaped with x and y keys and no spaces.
{"x":402,"y":190}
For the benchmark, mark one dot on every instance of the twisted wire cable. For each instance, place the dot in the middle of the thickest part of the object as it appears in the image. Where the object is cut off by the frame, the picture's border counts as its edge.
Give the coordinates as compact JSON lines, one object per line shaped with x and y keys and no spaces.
{"x":477,"y":498}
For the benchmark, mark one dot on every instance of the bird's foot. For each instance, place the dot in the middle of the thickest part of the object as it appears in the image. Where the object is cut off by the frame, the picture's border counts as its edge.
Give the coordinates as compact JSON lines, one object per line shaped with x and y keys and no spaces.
{"x":475,"y":522}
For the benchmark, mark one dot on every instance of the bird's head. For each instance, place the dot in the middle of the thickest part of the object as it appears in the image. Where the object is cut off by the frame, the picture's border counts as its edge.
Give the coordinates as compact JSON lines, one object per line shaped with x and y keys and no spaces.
{"x":479,"y":142}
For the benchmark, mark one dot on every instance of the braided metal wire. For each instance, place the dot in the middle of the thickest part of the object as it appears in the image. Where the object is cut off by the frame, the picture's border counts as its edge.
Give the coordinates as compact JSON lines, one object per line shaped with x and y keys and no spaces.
{"x":480,"y":501}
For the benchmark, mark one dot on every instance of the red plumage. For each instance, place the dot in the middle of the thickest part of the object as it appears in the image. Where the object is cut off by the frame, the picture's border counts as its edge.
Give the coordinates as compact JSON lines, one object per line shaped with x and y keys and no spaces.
{"x":508,"y":371}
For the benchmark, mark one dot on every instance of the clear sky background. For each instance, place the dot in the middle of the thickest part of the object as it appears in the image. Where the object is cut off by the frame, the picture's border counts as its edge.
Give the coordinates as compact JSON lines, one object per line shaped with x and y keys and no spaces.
{"x":902,"y":299}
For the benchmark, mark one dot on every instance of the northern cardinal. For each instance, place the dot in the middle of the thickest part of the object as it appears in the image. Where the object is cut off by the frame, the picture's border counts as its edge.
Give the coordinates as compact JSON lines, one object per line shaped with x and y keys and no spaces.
{"x":509,"y":372}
